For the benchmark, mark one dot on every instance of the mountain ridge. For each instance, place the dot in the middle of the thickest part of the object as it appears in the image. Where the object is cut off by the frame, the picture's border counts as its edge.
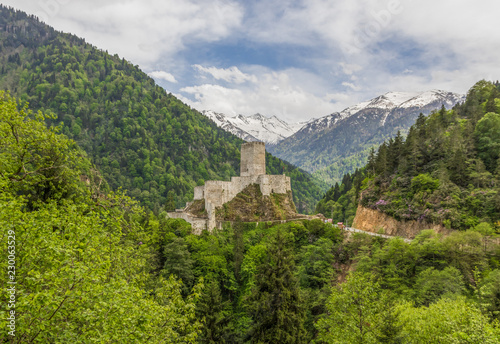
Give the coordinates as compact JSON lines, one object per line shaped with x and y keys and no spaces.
{"x":255,"y":127}
{"x":323,"y":146}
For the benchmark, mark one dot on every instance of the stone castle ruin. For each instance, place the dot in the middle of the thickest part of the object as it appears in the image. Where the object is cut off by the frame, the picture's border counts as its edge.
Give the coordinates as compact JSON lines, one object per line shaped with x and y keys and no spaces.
{"x":211,"y":197}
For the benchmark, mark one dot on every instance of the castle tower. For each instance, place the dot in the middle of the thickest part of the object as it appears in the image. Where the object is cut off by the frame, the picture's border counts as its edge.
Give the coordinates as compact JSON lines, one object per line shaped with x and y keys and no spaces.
{"x":253,"y":159}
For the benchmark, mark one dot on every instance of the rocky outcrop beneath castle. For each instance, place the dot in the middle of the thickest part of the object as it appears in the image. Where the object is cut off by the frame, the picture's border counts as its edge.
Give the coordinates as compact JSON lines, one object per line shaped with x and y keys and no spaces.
{"x":374,"y":221}
{"x":251,"y":205}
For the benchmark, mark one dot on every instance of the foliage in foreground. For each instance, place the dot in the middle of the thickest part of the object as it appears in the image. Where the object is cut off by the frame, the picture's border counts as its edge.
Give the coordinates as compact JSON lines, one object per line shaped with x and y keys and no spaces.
{"x":93,"y":267}
{"x":359,"y":311}
{"x":81,"y":256}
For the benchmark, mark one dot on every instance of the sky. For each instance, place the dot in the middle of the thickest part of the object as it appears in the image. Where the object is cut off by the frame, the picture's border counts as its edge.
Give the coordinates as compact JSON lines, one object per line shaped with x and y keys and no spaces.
{"x":296,"y":60}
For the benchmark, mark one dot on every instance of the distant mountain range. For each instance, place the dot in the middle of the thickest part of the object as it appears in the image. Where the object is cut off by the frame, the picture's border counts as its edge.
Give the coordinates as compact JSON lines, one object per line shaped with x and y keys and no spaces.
{"x":338,"y":143}
{"x":257,"y":127}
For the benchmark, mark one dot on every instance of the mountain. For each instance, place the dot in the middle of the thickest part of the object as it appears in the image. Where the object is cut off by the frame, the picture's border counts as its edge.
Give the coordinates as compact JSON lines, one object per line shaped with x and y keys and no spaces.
{"x":339,"y":143}
{"x":254,"y":128}
{"x":140,"y":137}
{"x":445,"y":172}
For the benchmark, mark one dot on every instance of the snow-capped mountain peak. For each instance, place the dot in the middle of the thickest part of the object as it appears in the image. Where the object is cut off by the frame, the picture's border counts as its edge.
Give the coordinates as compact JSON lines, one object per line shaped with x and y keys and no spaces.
{"x":323,"y":144}
{"x":384,"y":107}
{"x":256,"y":127}
{"x":448,"y":99}
{"x":378,"y":111}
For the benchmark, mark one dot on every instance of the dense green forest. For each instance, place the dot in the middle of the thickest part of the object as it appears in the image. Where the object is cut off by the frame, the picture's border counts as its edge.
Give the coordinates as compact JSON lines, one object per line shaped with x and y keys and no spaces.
{"x":141,"y":138}
{"x":445,"y":171}
{"x":341,"y":201}
{"x":91,"y":265}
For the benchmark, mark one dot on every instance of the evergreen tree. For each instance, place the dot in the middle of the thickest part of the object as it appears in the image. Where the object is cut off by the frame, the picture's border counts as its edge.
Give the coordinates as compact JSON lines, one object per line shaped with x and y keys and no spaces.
{"x":211,"y":308}
{"x":275,"y":303}
{"x":370,"y":167}
{"x":170,"y":205}
{"x":178,"y":262}
{"x":381,"y":162}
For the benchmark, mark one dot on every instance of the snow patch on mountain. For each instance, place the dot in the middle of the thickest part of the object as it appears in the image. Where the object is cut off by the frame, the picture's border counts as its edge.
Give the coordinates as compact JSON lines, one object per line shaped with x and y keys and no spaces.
{"x":387,"y":104}
{"x":256,"y":127}
{"x":448,"y":98}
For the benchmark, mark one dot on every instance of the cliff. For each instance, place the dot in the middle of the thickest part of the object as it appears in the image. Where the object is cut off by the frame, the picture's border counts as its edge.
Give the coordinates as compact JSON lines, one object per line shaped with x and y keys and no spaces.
{"x":377,"y":222}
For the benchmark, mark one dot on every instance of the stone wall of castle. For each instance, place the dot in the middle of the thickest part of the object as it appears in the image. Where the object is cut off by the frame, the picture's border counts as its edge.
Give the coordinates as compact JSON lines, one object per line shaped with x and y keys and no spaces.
{"x":197,"y":223}
{"x":252,"y":171}
{"x":253,"y":159}
{"x":220,"y":192}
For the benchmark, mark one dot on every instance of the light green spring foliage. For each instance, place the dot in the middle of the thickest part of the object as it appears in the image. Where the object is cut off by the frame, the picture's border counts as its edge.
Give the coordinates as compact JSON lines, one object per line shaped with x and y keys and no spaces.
{"x":432,"y":284}
{"x":450,"y":321}
{"x":82,"y":264}
{"x":359,"y":311}
{"x":353,"y":309}
{"x":487,"y":293}
{"x":38,"y":162}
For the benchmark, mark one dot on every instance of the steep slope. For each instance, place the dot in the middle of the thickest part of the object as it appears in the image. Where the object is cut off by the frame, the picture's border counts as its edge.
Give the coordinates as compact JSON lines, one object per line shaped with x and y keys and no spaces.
{"x":445,"y":173}
{"x":339,"y":143}
{"x":257,"y":127}
{"x":141,"y":138}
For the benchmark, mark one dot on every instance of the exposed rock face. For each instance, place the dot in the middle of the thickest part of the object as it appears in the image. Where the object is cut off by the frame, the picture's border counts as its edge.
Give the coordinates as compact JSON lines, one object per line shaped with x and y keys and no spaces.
{"x":374,"y":221}
{"x":251,"y":205}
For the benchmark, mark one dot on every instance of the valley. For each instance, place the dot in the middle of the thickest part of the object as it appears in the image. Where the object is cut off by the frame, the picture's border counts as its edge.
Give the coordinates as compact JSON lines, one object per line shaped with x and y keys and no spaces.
{"x":129,"y":216}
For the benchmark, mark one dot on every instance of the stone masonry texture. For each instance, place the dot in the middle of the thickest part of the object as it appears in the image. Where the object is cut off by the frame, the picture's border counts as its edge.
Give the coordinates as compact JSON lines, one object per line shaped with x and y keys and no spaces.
{"x":216,"y":193}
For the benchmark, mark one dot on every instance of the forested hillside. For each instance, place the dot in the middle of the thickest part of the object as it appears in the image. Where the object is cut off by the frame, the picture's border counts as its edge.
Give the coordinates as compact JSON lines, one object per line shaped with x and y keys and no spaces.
{"x":92,"y":266}
{"x":337,"y":144}
{"x":80,"y":258}
{"x":341,"y":201}
{"x":141,"y":138}
{"x":446,"y":171}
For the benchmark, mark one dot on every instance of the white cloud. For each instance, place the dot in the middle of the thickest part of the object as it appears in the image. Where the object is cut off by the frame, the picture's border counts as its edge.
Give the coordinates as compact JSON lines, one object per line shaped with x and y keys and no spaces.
{"x":159,"y":74}
{"x":231,"y":74}
{"x":351,"y":85}
{"x":347,"y":51}
{"x":350,"y":69}
{"x":366,"y":38}
{"x":276,"y":93}
{"x":214,"y":97}
{"x":142,"y":31}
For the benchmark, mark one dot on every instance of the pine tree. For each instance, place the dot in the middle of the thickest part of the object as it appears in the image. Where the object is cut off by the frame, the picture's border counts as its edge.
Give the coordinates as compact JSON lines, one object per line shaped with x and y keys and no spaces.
{"x":381,"y":162}
{"x":211,"y":308}
{"x":370,"y":167}
{"x":170,"y":205}
{"x":275,"y":303}
{"x":179,"y":263}
{"x":420,"y":124}
{"x":412,"y":151}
